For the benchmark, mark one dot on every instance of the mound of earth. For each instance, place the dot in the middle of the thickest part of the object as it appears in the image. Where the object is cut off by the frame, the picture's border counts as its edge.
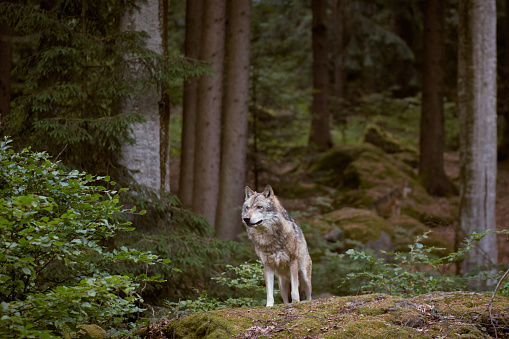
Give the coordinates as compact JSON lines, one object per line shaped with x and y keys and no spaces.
{"x":436,"y":315}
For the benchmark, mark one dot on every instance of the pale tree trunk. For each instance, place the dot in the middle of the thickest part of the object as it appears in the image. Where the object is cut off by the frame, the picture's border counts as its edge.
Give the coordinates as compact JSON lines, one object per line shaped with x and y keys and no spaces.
{"x":143,"y":160}
{"x":192,"y":50}
{"x":234,"y":138}
{"x":6,"y":34}
{"x":208,"y":119}
{"x":478,"y":136}
{"x":320,"y":136}
{"x":164,"y":105}
{"x":431,"y":164}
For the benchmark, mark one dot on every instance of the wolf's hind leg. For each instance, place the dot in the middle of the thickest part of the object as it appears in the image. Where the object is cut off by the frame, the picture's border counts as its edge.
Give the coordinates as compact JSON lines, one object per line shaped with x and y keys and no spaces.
{"x":294,"y":276}
{"x":305,"y":281}
{"x":284,"y":288}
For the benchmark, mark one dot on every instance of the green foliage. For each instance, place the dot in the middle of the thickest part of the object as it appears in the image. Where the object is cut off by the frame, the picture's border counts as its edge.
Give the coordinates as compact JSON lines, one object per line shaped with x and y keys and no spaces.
{"x":504,"y":290}
{"x":78,"y":68}
{"x":245,"y":279}
{"x":55,"y":267}
{"x":186,"y":237}
{"x":414,"y":272}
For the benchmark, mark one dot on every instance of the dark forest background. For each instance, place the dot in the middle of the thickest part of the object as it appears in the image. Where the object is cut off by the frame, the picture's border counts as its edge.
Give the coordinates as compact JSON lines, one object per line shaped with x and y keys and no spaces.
{"x":337,"y":104}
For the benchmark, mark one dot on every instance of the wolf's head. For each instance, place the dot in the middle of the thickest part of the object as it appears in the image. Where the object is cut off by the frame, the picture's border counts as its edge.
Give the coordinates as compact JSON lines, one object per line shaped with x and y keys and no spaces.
{"x":259,"y":208}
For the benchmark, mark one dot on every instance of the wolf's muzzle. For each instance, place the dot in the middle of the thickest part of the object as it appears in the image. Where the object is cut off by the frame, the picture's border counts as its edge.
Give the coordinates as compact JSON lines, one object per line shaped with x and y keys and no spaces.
{"x":248,"y":222}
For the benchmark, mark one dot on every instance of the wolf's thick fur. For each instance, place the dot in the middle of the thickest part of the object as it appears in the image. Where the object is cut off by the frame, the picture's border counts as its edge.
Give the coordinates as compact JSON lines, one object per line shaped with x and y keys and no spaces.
{"x":280,"y":245}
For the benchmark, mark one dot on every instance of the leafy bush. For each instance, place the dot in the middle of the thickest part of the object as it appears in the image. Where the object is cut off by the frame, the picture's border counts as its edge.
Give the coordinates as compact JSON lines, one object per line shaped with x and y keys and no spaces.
{"x":246,"y":279}
{"x":414,"y":272}
{"x":186,"y":237}
{"x":55,"y":268}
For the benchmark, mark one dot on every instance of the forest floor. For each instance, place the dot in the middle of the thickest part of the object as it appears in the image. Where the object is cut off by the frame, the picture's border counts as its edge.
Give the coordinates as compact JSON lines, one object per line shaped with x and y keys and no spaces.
{"x":433,"y":315}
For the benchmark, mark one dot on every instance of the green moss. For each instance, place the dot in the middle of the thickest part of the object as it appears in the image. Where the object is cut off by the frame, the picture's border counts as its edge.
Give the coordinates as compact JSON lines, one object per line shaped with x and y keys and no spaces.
{"x":388,"y":142}
{"x":458,"y":314}
{"x":205,"y":325}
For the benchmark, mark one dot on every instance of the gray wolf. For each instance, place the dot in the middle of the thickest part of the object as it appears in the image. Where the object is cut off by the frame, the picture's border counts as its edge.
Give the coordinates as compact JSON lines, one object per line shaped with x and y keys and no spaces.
{"x":280,"y":245}
{"x":390,"y":204}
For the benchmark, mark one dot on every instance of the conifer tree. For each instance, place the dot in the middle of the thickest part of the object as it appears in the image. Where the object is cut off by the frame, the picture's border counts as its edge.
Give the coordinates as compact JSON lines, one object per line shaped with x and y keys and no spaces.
{"x":320,"y":136}
{"x":236,"y":109}
{"x":5,"y":67}
{"x":478,"y":117}
{"x":192,"y":50}
{"x":431,"y":164}
{"x":208,"y":119}
{"x":79,"y":70}
{"x":142,"y":158}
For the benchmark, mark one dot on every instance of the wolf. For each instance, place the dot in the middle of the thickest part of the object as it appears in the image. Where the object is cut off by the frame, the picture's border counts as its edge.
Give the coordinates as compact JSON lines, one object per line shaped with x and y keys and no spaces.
{"x":390,"y":204}
{"x":280,"y":245}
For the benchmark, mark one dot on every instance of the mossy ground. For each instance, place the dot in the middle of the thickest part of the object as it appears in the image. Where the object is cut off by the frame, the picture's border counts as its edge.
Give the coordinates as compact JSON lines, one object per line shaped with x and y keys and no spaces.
{"x":436,"y":315}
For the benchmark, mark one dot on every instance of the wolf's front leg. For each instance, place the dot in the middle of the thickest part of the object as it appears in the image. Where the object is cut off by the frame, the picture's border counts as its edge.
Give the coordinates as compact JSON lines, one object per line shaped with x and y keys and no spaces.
{"x":269,"y":284}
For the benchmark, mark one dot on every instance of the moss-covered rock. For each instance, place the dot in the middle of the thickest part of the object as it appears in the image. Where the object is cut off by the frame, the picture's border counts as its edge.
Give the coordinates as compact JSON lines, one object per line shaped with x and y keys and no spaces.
{"x":358,"y":224}
{"x":88,"y":331}
{"x":436,"y":315}
{"x":386,"y":141}
{"x":213,"y":325}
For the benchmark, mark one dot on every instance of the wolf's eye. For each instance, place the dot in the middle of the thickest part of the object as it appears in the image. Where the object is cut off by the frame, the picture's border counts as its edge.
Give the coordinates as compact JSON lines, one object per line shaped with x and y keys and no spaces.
{"x":259,"y":207}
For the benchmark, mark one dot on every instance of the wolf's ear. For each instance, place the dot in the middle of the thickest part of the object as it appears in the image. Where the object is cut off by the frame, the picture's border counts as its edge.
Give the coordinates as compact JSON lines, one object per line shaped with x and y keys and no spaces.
{"x":249,"y":192}
{"x":269,"y":192}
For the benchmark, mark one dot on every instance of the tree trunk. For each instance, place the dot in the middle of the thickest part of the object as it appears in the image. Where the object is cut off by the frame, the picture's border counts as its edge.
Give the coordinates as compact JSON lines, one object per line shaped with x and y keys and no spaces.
{"x":339,"y":43}
{"x":142,"y":159}
{"x":236,"y":112}
{"x":431,"y":164}
{"x":320,"y":136}
{"x":6,"y":34}
{"x":478,"y":116}
{"x":208,"y":119}
{"x":164,"y":105}
{"x":403,"y":27}
{"x":503,"y":149}
{"x":192,"y":50}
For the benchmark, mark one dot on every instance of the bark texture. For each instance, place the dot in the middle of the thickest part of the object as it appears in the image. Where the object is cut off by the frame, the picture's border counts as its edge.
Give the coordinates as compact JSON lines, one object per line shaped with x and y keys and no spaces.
{"x":338,"y":44}
{"x":478,"y":137}
{"x":234,"y":139}
{"x":208,"y":119}
{"x":164,"y":105}
{"x":142,"y":159}
{"x":431,"y":164}
{"x":192,"y":50}
{"x":503,"y":149}
{"x":320,"y":136}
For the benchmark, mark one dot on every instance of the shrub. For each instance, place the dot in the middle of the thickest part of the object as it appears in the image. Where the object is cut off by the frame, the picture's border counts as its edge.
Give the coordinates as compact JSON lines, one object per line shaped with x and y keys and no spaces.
{"x":414,"y":272}
{"x":245,"y":280}
{"x":55,"y":268}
